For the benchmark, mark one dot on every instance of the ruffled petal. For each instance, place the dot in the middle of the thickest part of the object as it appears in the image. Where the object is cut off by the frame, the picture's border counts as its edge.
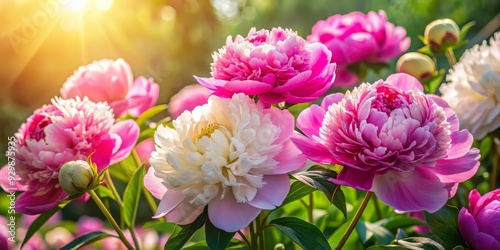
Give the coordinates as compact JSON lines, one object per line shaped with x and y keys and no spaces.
{"x":230,"y":215}
{"x":272,"y":194}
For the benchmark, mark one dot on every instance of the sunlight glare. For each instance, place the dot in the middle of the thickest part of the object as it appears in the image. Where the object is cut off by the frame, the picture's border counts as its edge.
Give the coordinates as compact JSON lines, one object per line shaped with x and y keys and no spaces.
{"x":76,"y":5}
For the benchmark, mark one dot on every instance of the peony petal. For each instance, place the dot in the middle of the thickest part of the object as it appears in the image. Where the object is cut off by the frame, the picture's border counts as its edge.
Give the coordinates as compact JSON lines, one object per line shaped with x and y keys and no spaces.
{"x":467,"y":225}
{"x":128,"y":131}
{"x":320,"y":58}
{"x":103,"y":150}
{"x":331,"y":99}
{"x":312,"y":149}
{"x":272,"y":194}
{"x":28,"y":203}
{"x":154,"y":184}
{"x":249,"y":87}
{"x":289,"y":159}
{"x":309,"y":121}
{"x":461,"y":142}
{"x":485,"y":241}
{"x":5,"y":183}
{"x":170,"y":200}
{"x":458,"y":169}
{"x":294,"y":83}
{"x":184,"y":214}
{"x":362,"y":180}
{"x":405,"y":82}
{"x":230,"y":215}
{"x":411,"y":191}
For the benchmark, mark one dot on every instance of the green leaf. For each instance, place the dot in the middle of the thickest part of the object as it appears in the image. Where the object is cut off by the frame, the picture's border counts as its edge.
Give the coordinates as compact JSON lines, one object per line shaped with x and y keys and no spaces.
{"x":297,"y":190}
{"x":426,"y":50}
{"x":366,"y":230}
{"x":306,"y":235}
{"x":433,"y":84}
{"x":202,"y":245}
{"x":465,"y":29}
{"x":419,"y":243}
{"x":131,"y":196}
{"x":402,"y":222}
{"x":217,"y":239}
{"x":296,"y":109}
{"x":317,"y":177}
{"x":160,"y":226}
{"x":177,"y":240}
{"x":40,"y":220}
{"x":148,"y":114}
{"x":103,"y":192}
{"x":85,"y":240}
{"x":377,"y":67}
{"x":444,"y":223}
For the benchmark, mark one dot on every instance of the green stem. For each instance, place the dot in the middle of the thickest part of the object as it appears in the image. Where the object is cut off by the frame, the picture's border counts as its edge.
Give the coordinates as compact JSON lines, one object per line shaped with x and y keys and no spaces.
{"x":147,"y":195}
{"x":244,"y":238}
{"x":494,"y":170}
{"x":261,"y":222}
{"x":310,"y":208}
{"x":354,"y":220}
{"x":253,"y":236}
{"x":377,"y":207}
{"x":450,"y":56}
{"x":108,"y":216}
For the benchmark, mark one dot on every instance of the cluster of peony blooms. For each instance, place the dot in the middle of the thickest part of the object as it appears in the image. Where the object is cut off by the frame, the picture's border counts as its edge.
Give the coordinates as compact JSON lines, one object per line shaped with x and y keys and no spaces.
{"x":232,"y":144}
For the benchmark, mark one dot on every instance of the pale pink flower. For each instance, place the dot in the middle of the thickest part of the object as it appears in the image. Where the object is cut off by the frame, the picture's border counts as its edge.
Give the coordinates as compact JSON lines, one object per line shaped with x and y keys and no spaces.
{"x":479,"y":224}
{"x":188,"y":98}
{"x":64,"y":131}
{"x":112,"y":81}
{"x":144,"y":150}
{"x":276,"y":65}
{"x":391,"y":139}
{"x":231,"y":155}
{"x":356,"y":37}
{"x":473,"y":88}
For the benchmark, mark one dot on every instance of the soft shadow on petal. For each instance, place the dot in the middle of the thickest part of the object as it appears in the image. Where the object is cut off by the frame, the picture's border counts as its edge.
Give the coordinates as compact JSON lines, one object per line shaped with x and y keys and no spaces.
{"x":404,"y":81}
{"x":128,"y":131}
{"x":154,"y":184}
{"x":230,"y":215}
{"x":272,"y":194}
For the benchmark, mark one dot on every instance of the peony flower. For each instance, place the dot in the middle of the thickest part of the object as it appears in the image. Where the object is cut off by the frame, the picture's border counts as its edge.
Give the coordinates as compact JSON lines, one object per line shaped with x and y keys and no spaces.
{"x":231,"y":155}
{"x":64,"y":131}
{"x":356,"y":37}
{"x":276,"y":66}
{"x":473,"y":88}
{"x":391,"y":139}
{"x":144,"y":150}
{"x":479,"y":224}
{"x":112,"y":81}
{"x":188,"y":98}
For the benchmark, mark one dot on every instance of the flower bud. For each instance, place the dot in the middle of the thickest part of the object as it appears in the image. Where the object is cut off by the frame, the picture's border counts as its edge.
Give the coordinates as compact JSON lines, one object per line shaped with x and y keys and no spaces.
{"x":76,"y":177}
{"x":417,"y":65}
{"x":442,"y":33}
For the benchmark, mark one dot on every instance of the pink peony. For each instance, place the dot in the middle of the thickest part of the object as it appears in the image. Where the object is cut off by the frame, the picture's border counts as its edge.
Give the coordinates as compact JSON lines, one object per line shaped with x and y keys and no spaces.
{"x":356,"y":37}
{"x":480,"y":223}
{"x":231,"y":155}
{"x":276,"y":65}
{"x":188,"y":98}
{"x":64,"y":131}
{"x":144,"y":150}
{"x":391,"y":139}
{"x":111,"y":81}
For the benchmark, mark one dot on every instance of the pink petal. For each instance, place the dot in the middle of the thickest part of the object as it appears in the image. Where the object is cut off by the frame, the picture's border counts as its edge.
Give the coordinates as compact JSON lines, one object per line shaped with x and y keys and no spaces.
{"x":103,"y":152}
{"x":272,"y":194}
{"x":128,"y":132}
{"x":410,"y":192}
{"x":119,"y":107}
{"x":485,"y":241}
{"x":154,"y":184}
{"x":362,"y":180}
{"x":294,"y":83}
{"x":209,"y":83}
{"x":5,"y":183}
{"x":331,"y":99}
{"x":27,"y":203}
{"x":176,"y":208}
{"x":290,"y":159}
{"x":142,"y":96}
{"x":230,"y":215}
{"x":312,"y":149}
{"x":467,"y":225}
{"x":249,"y":87}
{"x":320,"y":58}
{"x":458,"y":169}
{"x":309,"y":121}
{"x":284,"y":119}
{"x":404,"y":82}
{"x":461,"y":142}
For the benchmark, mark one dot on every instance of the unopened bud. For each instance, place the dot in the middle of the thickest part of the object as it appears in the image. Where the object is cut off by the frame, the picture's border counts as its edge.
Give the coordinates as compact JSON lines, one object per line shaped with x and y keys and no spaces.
{"x":442,"y":33}
{"x":417,"y":65}
{"x":76,"y":177}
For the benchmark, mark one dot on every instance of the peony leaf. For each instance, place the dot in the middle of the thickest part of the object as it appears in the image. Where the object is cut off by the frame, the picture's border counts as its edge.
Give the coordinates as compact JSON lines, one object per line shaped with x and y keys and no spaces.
{"x":431,"y":85}
{"x":146,"y":134}
{"x":366,"y":230}
{"x":426,"y":50}
{"x":297,"y":190}
{"x":444,"y":223}
{"x":465,"y":29}
{"x":40,"y":220}
{"x":160,"y":226}
{"x":201,"y":245}
{"x":306,"y":235}
{"x":410,"y":243}
{"x":177,"y":240}
{"x":148,"y":114}
{"x":131,"y":196}
{"x":85,"y":240}
{"x":317,"y":177}
{"x":402,"y":222}
{"x":216,"y":238}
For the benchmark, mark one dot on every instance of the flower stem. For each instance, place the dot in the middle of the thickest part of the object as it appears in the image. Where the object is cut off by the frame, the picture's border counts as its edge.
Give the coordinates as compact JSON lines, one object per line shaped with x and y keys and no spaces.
{"x":261,"y":222}
{"x":147,"y":195}
{"x":310,"y":208}
{"x":494,"y":159}
{"x":244,"y":238}
{"x":108,"y":216}
{"x":450,"y":56}
{"x":377,"y":207}
{"x":253,"y":236}
{"x":354,"y":220}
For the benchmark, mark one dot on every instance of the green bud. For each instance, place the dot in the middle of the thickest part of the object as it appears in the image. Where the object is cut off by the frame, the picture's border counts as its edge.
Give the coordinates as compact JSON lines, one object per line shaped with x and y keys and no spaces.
{"x":442,"y":33}
{"x":76,"y":177}
{"x":417,"y":65}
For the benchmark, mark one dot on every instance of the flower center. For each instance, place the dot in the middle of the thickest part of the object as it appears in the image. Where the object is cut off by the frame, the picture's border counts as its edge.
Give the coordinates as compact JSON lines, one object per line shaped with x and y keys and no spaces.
{"x":208,"y":130}
{"x":387,"y":99}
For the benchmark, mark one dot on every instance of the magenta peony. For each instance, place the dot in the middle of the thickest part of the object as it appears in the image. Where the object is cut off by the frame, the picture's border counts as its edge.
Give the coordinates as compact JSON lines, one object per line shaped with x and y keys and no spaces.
{"x":231,"y":155}
{"x":480,"y":223}
{"x":64,"y":131}
{"x":356,"y":37}
{"x":276,"y":65}
{"x":112,"y":81}
{"x":188,"y":98}
{"x":391,"y":139}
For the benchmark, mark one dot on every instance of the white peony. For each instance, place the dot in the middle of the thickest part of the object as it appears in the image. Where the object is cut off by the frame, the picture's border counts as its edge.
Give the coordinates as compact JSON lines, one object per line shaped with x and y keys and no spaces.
{"x":473,"y":88}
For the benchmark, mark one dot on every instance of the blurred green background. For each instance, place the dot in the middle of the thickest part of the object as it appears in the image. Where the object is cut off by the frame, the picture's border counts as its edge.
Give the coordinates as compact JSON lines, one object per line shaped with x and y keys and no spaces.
{"x":43,"y":42}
